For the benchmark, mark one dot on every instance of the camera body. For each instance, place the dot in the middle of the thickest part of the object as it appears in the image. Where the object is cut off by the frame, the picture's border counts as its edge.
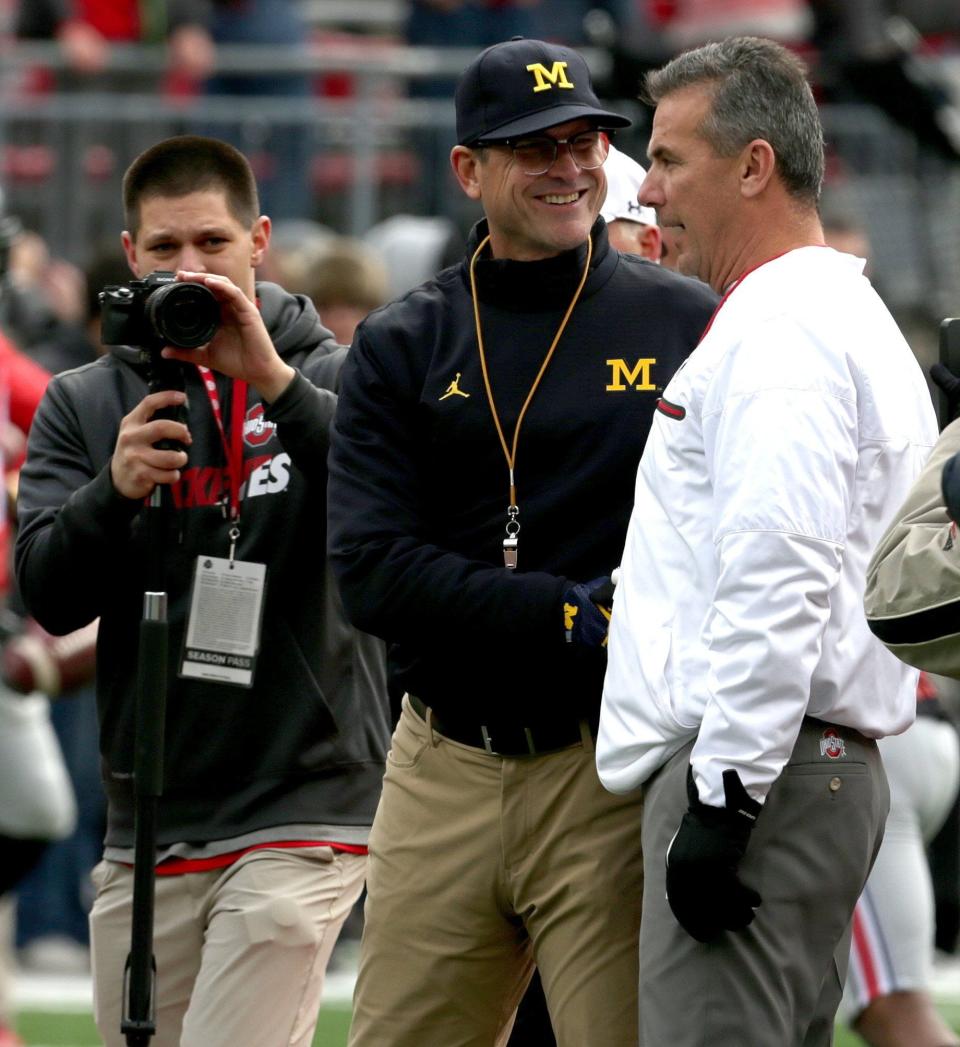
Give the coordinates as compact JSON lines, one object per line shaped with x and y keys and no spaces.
{"x":158,"y":311}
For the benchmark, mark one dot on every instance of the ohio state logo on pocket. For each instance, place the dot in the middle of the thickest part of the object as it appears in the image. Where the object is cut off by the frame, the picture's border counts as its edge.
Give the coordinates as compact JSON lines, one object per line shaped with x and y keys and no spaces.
{"x":256,"y":429}
{"x":832,"y":745}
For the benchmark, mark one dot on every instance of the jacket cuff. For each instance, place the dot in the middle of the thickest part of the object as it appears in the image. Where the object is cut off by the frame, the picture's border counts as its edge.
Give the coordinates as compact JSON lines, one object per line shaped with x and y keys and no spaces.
{"x":289,"y":400}
{"x":100,"y":505}
{"x":302,"y":403}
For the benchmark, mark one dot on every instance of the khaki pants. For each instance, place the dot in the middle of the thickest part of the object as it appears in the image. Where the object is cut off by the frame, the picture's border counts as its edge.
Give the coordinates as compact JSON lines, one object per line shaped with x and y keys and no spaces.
{"x":482,"y":865}
{"x":241,"y":951}
{"x":778,"y":982}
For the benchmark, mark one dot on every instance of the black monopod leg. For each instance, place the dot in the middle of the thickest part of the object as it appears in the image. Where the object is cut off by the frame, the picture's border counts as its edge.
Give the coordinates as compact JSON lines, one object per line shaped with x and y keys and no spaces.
{"x":138,"y":1023}
{"x":140,"y":974}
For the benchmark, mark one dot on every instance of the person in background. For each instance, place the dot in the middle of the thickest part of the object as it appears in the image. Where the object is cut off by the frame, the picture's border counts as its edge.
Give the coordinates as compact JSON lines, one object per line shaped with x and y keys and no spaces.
{"x":37,"y":804}
{"x":53,"y":901}
{"x":295,"y":246}
{"x":886,"y":997}
{"x":631,"y":226}
{"x":346,"y":282}
{"x":86,"y":29}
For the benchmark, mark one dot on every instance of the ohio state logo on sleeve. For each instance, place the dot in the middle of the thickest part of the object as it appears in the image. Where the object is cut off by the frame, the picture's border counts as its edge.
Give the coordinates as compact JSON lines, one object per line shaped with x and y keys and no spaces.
{"x":256,"y":429}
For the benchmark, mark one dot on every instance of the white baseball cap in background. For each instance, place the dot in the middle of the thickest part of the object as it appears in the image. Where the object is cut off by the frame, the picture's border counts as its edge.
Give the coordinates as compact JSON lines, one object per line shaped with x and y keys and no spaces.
{"x":624,"y":176}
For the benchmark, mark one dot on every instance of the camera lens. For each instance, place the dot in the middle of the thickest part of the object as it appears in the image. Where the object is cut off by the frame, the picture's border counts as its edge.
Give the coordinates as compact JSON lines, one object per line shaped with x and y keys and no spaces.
{"x":183,"y":315}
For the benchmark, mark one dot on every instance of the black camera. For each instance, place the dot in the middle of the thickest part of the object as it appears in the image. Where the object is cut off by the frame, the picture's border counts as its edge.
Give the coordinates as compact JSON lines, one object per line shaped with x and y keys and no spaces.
{"x":158,"y":311}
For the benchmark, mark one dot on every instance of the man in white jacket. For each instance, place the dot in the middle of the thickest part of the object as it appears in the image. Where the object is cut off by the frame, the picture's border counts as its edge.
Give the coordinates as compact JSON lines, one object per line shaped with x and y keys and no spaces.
{"x":744,"y":690}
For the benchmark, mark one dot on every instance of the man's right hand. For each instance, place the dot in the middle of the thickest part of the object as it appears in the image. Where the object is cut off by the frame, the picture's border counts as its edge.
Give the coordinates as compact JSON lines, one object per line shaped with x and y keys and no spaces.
{"x":949,"y":384}
{"x":137,"y":465}
{"x":242,"y":347}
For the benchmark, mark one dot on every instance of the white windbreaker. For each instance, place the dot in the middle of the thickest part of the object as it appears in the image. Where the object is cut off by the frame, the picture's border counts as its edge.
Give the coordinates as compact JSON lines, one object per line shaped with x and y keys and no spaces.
{"x":780,"y":452}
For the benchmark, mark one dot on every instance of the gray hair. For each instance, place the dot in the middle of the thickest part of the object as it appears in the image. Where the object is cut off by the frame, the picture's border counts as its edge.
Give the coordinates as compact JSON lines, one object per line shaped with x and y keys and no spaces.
{"x":760,"y":90}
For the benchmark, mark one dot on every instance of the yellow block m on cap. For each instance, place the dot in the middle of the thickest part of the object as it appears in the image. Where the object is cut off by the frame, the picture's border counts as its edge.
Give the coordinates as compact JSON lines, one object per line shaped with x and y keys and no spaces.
{"x":555,"y":77}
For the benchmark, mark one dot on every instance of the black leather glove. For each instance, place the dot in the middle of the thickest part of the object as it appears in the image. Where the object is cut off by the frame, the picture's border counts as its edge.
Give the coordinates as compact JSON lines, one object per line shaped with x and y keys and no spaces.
{"x":703,"y":889}
{"x":587,"y":607}
{"x":949,"y":384}
{"x":946,"y":380}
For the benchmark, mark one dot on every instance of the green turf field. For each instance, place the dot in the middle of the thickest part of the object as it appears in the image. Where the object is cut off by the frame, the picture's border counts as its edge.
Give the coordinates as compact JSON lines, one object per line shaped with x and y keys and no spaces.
{"x":62,"y":1029}
{"x":77,"y":1030}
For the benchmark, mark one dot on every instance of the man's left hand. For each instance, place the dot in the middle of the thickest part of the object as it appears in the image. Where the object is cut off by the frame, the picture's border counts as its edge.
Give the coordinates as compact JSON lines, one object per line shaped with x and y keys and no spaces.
{"x":704,"y":891}
{"x":242,"y":347}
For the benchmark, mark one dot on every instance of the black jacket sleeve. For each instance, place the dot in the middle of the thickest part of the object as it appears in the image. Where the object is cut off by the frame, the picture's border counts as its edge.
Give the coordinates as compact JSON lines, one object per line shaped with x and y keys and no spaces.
{"x":71,"y":520}
{"x":394,"y":581}
{"x":304,"y":414}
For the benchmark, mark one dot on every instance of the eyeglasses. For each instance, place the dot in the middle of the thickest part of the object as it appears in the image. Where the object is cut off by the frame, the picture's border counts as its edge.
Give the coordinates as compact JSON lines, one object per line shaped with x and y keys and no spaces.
{"x":536,"y":155}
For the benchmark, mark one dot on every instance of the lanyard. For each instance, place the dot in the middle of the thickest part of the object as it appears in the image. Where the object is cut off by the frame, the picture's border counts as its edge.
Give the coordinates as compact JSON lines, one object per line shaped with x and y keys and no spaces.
{"x":232,"y":448}
{"x":510,"y":453}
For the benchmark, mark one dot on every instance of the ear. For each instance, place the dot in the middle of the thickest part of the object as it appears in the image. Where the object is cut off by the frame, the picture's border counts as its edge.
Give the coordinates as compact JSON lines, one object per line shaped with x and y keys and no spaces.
{"x":260,"y":236}
{"x":465,"y":163}
{"x":758,"y":163}
{"x":651,"y":242}
{"x":130,"y":250}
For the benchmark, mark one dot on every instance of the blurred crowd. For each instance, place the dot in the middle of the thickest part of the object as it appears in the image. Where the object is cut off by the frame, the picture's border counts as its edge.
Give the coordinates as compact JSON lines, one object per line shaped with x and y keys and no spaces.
{"x":330,"y":104}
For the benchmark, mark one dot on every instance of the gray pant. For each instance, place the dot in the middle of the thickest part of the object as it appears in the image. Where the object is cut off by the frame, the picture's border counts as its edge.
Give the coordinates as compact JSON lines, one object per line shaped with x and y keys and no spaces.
{"x":778,"y":983}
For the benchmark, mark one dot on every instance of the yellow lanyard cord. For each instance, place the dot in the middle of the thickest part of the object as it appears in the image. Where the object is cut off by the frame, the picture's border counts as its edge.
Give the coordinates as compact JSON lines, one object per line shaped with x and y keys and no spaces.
{"x":511,"y":453}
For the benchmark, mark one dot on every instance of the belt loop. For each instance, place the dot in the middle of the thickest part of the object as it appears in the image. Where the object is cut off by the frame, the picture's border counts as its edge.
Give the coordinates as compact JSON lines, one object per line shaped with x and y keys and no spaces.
{"x":586,"y":736}
{"x":434,"y":737}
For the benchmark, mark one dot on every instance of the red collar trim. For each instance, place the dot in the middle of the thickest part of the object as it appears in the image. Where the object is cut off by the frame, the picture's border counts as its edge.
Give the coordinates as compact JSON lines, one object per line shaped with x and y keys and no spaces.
{"x":739,"y":280}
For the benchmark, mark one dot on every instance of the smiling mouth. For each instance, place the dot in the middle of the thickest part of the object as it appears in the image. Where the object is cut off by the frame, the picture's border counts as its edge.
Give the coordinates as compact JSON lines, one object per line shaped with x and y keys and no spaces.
{"x":562,"y":198}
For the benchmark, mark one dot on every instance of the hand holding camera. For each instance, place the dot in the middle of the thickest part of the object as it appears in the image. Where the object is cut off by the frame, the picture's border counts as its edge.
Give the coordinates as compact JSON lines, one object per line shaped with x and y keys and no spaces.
{"x":199,"y":318}
{"x":241,"y":347}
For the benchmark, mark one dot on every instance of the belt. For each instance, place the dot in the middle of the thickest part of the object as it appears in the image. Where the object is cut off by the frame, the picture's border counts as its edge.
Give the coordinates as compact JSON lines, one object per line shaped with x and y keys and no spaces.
{"x":508,"y":739}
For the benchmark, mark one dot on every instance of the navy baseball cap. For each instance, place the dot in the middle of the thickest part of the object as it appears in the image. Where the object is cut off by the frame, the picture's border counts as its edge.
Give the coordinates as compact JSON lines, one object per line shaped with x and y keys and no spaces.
{"x":523,"y":86}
